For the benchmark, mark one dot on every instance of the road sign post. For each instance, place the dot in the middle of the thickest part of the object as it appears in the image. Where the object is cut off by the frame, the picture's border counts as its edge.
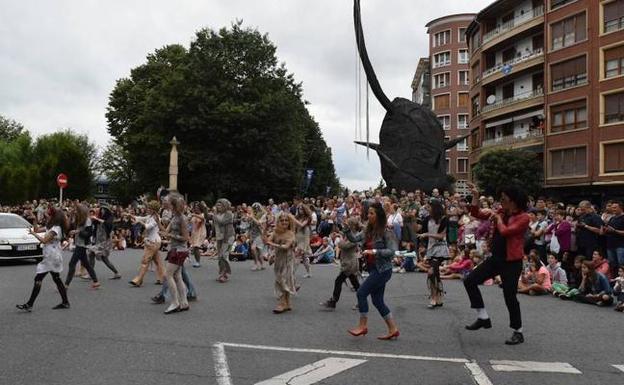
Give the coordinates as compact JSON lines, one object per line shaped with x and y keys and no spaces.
{"x":61,"y":182}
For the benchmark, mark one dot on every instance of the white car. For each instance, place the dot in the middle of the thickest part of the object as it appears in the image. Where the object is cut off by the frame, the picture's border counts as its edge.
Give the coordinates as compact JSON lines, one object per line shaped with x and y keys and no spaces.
{"x":15,"y":240}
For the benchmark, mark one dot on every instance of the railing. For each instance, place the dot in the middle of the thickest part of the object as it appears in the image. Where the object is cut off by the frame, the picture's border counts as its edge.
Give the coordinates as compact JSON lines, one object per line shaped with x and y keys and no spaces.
{"x":512,"y":139}
{"x":517,"y":60}
{"x":513,"y":100}
{"x":513,"y":23}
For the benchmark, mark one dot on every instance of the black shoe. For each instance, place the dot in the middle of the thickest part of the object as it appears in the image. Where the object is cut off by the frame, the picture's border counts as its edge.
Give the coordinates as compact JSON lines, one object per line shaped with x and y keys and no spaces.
{"x":25,"y":307}
{"x":480,"y":323}
{"x":61,"y":306}
{"x":516,"y":338}
{"x":158,"y":299}
{"x":191,"y":298}
{"x":330,"y":304}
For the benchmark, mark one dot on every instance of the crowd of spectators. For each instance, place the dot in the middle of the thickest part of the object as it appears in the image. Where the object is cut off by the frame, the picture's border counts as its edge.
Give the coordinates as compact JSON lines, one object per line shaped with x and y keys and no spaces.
{"x":572,"y":251}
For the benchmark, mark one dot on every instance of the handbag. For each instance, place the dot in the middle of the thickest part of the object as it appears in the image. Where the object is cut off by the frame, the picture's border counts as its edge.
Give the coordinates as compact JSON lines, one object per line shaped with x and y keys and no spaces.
{"x":177,"y":257}
{"x":555,"y":247}
{"x":438,"y":250}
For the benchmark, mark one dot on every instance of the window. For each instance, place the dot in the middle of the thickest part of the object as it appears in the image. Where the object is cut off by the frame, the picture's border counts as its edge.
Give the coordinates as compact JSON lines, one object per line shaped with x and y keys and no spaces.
{"x":441,"y":102}
{"x":475,"y":106}
{"x":462,"y":99}
{"x":567,"y":117}
{"x":462,"y":165}
{"x":463,"y":56}
{"x":461,"y":35}
{"x":475,"y":41}
{"x":463,"y":145}
{"x":613,"y":155}
{"x":613,"y":16}
{"x":569,"y":73}
{"x":476,"y":73}
{"x":442,"y":38}
{"x":568,"y":162}
{"x":448,"y":166}
{"x":442,"y":59}
{"x":614,"y":108}
{"x":442,"y":80}
{"x":568,"y":31}
{"x":614,"y":62}
{"x":445,"y":121}
{"x":554,"y":4}
{"x":462,"y":121}
{"x":464,"y":79}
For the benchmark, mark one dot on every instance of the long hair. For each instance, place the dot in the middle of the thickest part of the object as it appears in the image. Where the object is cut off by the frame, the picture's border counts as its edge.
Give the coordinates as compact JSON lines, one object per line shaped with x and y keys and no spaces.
{"x":437,"y":210}
{"x":591,"y":276}
{"x":177,"y":203}
{"x":304,"y":212}
{"x":517,"y":196}
{"x":377,"y":229}
{"x":56,"y":217}
{"x":82,"y":213}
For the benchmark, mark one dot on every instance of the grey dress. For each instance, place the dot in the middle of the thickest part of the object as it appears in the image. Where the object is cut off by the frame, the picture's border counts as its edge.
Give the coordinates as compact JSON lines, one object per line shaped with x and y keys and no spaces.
{"x":284,"y":272}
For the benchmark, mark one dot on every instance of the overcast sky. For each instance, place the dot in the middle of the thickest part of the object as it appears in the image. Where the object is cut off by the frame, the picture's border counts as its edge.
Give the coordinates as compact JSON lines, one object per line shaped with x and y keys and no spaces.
{"x":60,"y":59}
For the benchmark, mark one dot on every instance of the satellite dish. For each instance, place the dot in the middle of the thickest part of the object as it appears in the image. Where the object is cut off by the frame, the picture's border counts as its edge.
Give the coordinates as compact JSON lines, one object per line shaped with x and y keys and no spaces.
{"x":491,"y":99}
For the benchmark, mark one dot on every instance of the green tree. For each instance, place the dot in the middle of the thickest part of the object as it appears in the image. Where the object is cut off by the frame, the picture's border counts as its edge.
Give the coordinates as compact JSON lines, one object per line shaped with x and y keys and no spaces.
{"x":244,"y":129}
{"x":500,"y":168}
{"x":10,"y":129}
{"x":115,"y":164}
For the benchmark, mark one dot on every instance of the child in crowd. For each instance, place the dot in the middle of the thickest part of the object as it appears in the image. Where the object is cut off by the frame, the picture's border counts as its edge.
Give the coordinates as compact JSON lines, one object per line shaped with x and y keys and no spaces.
{"x":536,"y":280}
{"x":325,"y":253}
{"x":557,"y":275}
{"x":618,"y":289}
{"x":422,"y":265}
{"x":460,"y":267}
{"x":594,"y":287}
{"x":601,"y":264}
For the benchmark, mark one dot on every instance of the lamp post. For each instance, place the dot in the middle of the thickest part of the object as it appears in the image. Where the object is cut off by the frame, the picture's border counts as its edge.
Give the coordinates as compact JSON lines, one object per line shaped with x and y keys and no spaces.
{"x":173,"y":165}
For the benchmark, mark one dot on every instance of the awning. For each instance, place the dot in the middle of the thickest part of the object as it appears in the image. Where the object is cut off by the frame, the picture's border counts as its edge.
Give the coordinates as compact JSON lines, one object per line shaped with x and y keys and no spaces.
{"x":515,"y":118}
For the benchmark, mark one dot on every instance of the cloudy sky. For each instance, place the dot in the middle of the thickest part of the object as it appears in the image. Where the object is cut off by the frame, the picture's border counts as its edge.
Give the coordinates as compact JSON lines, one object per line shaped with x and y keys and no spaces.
{"x":60,"y":59}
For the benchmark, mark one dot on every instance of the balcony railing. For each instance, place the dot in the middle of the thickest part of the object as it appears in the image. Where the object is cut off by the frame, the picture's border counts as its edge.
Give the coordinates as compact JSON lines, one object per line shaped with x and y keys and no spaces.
{"x":513,"y":23}
{"x":513,"y":100}
{"x":531,"y":55}
{"x":512,"y":139}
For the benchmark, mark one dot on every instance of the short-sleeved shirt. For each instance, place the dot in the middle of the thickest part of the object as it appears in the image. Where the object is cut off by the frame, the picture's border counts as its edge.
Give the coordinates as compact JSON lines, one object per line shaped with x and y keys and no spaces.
{"x":615,"y":241}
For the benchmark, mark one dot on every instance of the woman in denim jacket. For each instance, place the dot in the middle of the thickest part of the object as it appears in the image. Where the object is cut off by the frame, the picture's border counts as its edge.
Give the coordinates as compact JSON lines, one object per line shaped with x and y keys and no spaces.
{"x":379,"y":245}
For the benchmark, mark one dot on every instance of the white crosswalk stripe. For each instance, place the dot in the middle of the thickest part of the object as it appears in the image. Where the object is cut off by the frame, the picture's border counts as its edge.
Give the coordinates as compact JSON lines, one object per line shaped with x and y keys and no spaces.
{"x":314,"y":373}
{"x":619,"y":367}
{"x":533,"y":366}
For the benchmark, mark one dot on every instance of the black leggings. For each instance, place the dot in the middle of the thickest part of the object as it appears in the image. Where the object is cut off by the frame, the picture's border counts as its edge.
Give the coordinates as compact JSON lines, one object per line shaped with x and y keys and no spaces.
{"x":509,"y":273}
{"x":106,"y":261}
{"x":433,"y":278}
{"x":37,"y":287}
{"x":80,"y":254}
{"x":342,"y":277}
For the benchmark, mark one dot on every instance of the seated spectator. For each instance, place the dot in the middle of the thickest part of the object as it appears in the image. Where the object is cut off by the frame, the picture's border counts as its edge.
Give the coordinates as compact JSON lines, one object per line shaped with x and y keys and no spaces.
{"x":594,"y":288}
{"x":406,"y":258}
{"x":241,"y":249}
{"x":618,"y":289}
{"x":315,"y":241}
{"x":421,"y":263}
{"x":209,"y":248}
{"x":536,"y":280}
{"x":325,"y":253}
{"x":460,"y":267}
{"x":119,"y":240}
{"x":557,"y":276}
{"x":601,"y":264}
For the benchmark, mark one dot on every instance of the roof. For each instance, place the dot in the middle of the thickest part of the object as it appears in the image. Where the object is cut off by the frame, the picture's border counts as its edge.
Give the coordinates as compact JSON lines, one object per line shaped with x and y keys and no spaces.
{"x":449,"y":18}
{"x":496,"y":6}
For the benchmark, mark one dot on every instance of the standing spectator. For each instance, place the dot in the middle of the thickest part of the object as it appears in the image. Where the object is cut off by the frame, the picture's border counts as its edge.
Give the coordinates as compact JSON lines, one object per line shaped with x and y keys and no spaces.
{"x":588,"y":230}
{"x":537,"y":230}
{"x":562,"y":230}
{"x":614,"y":231}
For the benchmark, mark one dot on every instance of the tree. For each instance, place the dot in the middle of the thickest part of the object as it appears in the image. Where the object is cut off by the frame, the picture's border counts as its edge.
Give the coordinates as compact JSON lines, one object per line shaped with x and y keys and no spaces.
{"x":115,"y":164}
{"x":10,"y":129}
{"x":500,"y":168}
{"x":244,"y":129}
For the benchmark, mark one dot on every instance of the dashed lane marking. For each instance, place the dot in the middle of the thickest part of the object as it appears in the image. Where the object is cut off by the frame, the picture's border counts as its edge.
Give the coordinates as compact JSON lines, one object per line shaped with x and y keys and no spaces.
{"x":532,"y":366}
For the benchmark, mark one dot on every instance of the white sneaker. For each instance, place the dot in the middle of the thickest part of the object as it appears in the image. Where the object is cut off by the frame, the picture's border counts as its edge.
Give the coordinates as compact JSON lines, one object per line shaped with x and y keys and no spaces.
{"x":307,"y":275}
{"x":365,"y":274}
{"x":401,"y":270}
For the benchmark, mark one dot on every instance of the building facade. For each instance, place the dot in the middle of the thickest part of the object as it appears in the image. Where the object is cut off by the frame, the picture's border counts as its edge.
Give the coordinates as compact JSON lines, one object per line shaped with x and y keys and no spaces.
{"x":548,"y":76}
{"x":450,"y":86}
{"x":421,"y":85}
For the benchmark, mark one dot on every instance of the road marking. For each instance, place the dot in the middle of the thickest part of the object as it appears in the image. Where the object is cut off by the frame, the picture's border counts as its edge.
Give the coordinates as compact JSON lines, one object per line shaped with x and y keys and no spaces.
{"x":314,"y":373}
{"x":478,"y":374}
{"x":619,"y":367}
{"x":346,"y":353}
{"x":532,"y":366}
{"x":222,"y":369}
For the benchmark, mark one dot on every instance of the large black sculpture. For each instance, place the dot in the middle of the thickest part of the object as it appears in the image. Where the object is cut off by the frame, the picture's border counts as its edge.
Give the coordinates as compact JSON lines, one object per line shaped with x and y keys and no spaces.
{"x":411,"y":140}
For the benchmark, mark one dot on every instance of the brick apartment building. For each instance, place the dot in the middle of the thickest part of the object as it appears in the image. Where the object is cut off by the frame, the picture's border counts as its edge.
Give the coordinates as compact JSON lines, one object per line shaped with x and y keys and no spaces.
{"x":548,"y":76}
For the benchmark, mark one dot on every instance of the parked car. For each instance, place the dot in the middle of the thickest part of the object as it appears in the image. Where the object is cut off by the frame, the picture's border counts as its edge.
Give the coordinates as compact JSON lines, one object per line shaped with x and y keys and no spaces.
{"x":15,"y":240}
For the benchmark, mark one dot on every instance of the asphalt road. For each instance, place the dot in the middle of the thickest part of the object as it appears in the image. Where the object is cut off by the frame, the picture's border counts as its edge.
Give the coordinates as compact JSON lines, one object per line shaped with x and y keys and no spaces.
{"x":115,"y":335}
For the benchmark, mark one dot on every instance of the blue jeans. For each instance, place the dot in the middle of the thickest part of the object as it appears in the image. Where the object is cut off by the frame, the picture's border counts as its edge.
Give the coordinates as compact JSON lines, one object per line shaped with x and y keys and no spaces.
{"x":164,"y":292}
{"x":615,"y":257}
{"x":375,"y":286}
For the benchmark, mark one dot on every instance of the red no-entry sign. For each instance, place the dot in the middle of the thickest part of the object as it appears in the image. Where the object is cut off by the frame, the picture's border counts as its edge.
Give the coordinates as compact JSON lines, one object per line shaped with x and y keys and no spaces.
{"x":61,"y":180}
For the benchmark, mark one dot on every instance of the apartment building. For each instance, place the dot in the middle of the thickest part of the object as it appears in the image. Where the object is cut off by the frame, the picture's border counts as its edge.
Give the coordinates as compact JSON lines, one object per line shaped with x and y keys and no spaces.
{"x":421,"y":85}
{"x":548,"y":76}
{"x":450,"y":86}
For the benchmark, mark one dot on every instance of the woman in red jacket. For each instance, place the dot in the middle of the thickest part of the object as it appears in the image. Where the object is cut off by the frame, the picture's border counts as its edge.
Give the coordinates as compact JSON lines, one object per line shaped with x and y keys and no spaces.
{"x":510,"y":225}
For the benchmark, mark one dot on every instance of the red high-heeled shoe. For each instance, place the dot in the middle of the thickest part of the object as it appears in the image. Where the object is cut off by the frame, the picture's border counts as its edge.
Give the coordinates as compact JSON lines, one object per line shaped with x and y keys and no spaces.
{"x":362,"y":332}
{"x":392,"y":336}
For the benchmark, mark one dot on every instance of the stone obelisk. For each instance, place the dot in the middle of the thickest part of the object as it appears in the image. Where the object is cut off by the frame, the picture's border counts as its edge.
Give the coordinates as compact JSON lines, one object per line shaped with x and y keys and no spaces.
{"x":173,"y":165}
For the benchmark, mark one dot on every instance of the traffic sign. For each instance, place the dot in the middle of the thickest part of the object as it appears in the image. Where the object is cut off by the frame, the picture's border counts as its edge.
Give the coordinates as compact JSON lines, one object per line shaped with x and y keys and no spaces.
{"x":61,"y":181}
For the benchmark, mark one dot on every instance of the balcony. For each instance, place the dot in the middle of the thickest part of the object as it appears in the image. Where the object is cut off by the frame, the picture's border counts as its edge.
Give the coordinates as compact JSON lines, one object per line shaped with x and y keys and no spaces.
{"x":532,"y":138}
{"x":515,"y":65}
{"x":517,"y":102}
{"x":515,"y":25}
